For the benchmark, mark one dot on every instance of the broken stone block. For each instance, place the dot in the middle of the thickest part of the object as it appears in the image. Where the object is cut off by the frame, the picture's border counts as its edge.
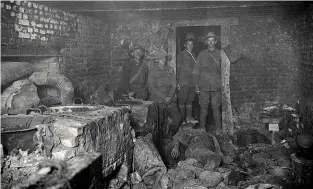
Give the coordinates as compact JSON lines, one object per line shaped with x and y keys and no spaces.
{"x":184,"y":165}
{"x":227,"y":159}
{"x":203,"y":155}
{"x":148,"y":162}
{"x":64,"y":154}
{"x":210,"y":179}
{"x":67,"y":127}
{"x":69,"y":142}
{"x":235,"y":177}
{"x":185,"y":174}
{"x":139,"y":186}
{"x":188,"y":184}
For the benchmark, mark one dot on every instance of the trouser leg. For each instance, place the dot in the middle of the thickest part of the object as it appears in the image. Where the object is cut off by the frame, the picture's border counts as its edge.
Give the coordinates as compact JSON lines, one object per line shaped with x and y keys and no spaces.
{"x":216,"y":100}
{"x":204,"y":100}
{"x":191,"y":96}
{"x":161,"y":112}
{"x":182,"y":95}
{"x":174,"y":114}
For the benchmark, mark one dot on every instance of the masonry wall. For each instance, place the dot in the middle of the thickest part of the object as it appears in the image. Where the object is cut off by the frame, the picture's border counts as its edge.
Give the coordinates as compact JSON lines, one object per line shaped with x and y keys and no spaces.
{"x":81,"y":44}
{"x":269,"y":71}
{"x":306,"y":67}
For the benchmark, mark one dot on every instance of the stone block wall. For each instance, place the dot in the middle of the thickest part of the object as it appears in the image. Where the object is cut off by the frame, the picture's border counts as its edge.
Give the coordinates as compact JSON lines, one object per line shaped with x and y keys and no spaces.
{"x":82,"y":44}
{"x":106,"y":131}
{"x":306,"y":67}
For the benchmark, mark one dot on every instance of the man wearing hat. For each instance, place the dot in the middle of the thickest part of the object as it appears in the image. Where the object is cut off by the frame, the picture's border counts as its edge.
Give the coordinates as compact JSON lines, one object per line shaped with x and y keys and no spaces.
{"x":134,"y":75}
{"x":162,"y":88}
{"x":186,"y":60}
{"x":207,"y":80}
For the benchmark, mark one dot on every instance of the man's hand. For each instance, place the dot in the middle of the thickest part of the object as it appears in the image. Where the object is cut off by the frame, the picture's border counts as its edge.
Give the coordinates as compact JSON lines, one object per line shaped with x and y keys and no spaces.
{"x":131,"y":94}
{"x":175,"y":152}
{"x":178,"y":87}
{"x":197,"y":90}
{"x":167,"y":100}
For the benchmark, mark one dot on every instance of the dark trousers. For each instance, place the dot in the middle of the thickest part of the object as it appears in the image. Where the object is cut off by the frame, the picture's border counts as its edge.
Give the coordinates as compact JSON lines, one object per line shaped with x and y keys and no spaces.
{"x":171,"y":111}
{"x":204,"y":100}
{"x":185,"y":97}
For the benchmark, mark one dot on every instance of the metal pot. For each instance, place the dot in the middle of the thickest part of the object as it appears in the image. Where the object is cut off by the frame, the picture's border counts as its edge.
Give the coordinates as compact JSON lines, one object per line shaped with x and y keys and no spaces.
{"x":18,"y":139}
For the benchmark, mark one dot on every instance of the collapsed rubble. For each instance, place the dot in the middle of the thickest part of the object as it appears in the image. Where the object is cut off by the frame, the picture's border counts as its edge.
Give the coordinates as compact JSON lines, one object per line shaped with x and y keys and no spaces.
{"x":221,"y":164}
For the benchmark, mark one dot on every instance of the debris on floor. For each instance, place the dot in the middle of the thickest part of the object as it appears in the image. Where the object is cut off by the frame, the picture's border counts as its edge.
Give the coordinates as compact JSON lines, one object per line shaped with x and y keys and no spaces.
{"x":18,"y":166}
{"x":210,"y":161}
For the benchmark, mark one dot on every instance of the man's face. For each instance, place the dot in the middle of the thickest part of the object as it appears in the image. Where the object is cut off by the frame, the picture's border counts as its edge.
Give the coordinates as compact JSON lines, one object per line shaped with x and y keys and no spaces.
{"x":138,"y":54}
{"x":162,"y":61}
{"x":211,"y":41}
{"x":189,"y":45}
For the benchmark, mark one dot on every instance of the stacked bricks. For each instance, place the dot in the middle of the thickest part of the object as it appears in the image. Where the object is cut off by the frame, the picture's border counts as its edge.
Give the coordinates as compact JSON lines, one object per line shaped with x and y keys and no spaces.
{"x":106,"y":131}
{"x":32,"y":29}
{"x":82,"y":43}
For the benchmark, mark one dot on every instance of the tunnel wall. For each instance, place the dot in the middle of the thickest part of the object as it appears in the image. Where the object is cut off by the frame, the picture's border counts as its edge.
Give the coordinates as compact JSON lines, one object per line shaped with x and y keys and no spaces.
{"x":269,"y":71}
{"x":28,"y":28}
{"x":306,"y":68}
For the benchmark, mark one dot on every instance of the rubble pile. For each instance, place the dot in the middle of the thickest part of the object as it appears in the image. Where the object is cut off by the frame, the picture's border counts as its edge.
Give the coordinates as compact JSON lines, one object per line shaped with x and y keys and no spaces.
{"x":18,"y":166}
{"x":259,"y":164}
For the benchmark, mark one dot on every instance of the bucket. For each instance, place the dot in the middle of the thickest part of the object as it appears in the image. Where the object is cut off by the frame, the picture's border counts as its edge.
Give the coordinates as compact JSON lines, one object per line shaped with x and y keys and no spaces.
{"x":18,"y":139}
{"x":148,"y":162}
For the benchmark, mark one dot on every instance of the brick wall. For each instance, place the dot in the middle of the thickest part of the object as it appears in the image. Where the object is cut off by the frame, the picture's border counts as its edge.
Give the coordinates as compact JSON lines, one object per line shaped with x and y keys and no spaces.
{"x":269,"y":71}
{"x":270,"y":68}
{"x":28,"y":28}
{"x":306,"y":66}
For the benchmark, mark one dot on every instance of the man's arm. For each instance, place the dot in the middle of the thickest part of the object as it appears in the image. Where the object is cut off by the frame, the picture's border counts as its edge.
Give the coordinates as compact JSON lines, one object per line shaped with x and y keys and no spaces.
{"x":145,"y":73}
{"x":124,"y":82}
{"x":152,"y":86}
{"x":179,"y":66}
{"x":196,"y":71}
{"x":173,"y":83}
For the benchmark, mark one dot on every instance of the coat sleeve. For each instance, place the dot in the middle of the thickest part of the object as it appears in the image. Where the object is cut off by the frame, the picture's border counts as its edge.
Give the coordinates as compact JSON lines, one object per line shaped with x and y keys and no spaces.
{"x":152,"y":76}
{"x":196,"y":71}
{"x":173,"y":83}
{"x":179,"y":66}
{"x":145,"y":73}
{"x":124,"y":83}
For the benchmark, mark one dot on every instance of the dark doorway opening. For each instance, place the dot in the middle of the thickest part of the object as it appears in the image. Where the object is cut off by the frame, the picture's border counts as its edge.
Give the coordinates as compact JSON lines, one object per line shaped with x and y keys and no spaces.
{"x":199,"y":32}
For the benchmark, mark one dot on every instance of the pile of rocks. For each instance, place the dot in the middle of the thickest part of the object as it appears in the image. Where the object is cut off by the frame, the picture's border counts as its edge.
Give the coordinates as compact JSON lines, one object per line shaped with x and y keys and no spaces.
{"x":252,"y":166}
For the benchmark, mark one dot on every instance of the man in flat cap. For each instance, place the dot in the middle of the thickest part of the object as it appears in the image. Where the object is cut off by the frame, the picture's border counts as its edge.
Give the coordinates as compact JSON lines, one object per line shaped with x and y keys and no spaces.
{"x":186,"y":60}
{"x":134,"y":75}
{"x":207,"y":81}
{"x":162,"y":88}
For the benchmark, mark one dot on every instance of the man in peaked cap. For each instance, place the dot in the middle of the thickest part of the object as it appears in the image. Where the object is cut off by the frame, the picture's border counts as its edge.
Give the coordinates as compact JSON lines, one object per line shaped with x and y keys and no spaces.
{"x":186,"y":60}
{"x":207,"y":81}
{"x":134,"y":75}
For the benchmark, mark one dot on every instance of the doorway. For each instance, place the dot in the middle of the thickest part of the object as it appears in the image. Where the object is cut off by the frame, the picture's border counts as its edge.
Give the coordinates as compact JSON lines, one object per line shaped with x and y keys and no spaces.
{"x":199,"y":32}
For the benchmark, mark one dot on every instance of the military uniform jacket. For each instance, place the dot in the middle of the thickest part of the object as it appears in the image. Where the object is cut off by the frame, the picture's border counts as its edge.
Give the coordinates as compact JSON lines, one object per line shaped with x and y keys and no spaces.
{"x":207,"y":70}
{"x":161,"y":83}
{"x":129,"y":70}
{"x":185,"y":65}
